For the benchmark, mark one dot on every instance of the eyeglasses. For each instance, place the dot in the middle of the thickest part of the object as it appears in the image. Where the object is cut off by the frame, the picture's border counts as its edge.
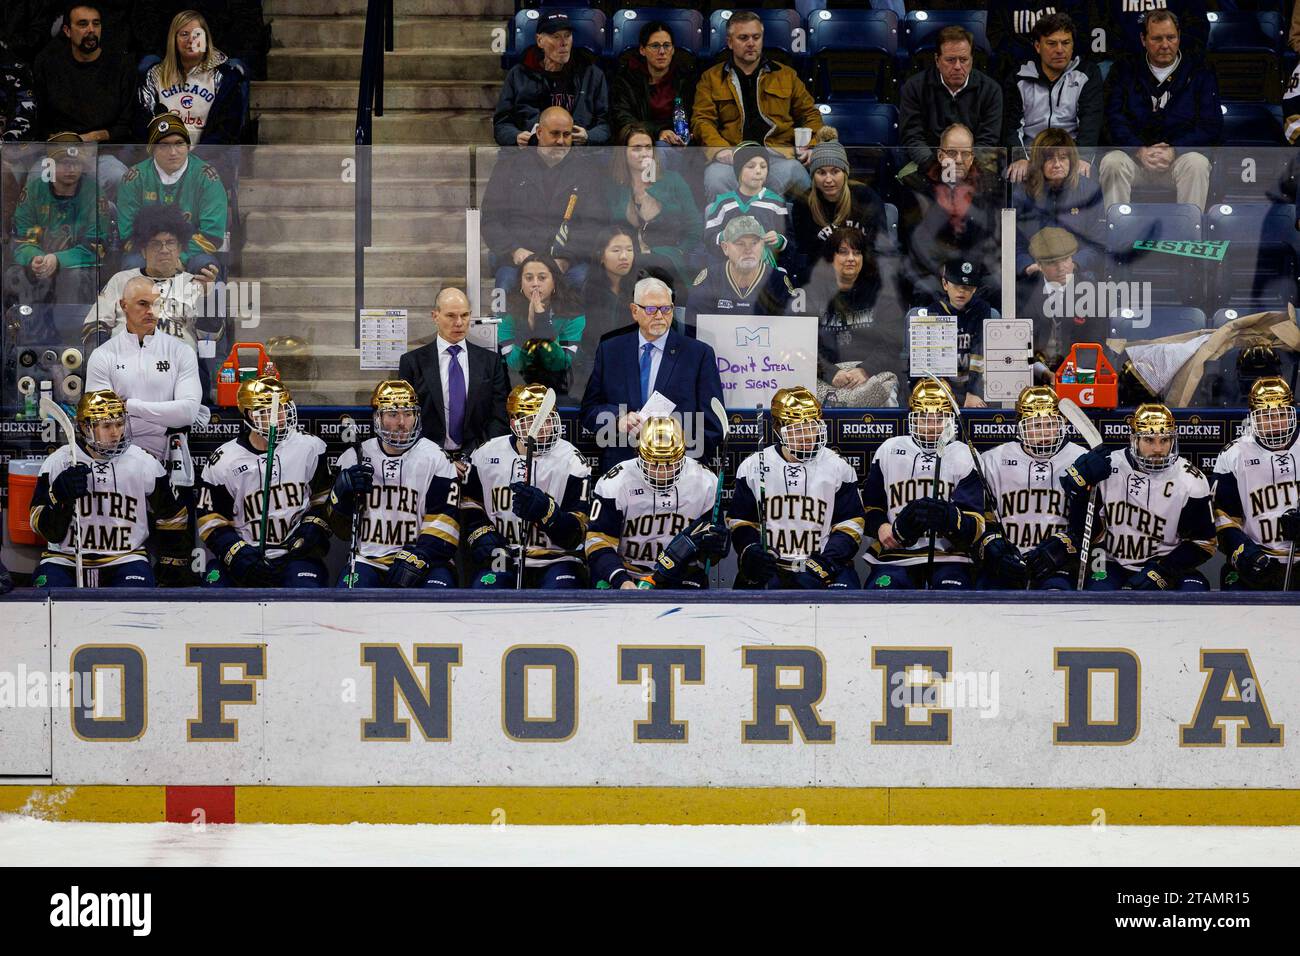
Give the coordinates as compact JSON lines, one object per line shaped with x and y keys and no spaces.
{"x":161,"y":244}
{"x":957,"y":153}
{"x":664,"y":310}
{"x":659,"y":47}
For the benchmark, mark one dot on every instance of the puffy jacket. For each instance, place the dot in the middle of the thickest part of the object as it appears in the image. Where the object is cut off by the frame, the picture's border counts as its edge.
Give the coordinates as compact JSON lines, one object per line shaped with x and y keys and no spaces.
{"x":629,"y":91}
{"x":1032,"y":103}
{"x":718,"y":120}
{"x":926,"y":108}
{"x":580,"y":88}
{"x":1189,"y":114}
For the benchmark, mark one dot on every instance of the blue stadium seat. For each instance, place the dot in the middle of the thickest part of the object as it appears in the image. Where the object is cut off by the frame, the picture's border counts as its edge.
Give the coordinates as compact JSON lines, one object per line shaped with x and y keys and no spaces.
{"x":1252,"y":124}
{"x":1223,"y":316}
{"x":853,"y":52}
{"x":780,"y":27}
{"x":1163,"y":320}
{"x":686,"y":26}
{"x":1244,"y":51}
{"x":921,"y":31}
{"x":589,"y":31}
{"x":1259,"y":269}
{"x":1174,"y":279}
{"x":862,"y":123}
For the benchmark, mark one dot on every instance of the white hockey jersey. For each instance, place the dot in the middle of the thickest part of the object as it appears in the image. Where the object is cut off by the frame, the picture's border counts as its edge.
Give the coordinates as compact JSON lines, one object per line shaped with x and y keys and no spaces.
{"x":902,"y":473}
{"x":231,"y":491}
{"x":636,"y":522}
{"x":1252,"y":487}
{"x":561,"y":473}
{"x":806,"y":502}
{"x":415,"y":492}
{"x":114,"y":519}
{"x":1027,"y":491}
{"x":1148,"y":515}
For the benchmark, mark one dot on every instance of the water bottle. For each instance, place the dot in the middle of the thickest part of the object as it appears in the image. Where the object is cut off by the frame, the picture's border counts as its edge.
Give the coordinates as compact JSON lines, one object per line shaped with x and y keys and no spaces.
{"x":680,"y":126}
{"x":1068,"y":376}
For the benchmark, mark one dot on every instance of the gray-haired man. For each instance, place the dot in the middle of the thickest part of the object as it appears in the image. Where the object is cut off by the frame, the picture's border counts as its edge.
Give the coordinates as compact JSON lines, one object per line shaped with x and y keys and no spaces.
{"x":744,"y":283}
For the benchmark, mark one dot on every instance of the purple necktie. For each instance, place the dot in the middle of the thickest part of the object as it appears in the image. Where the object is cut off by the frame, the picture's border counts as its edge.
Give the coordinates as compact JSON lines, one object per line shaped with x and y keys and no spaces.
{"x":455,"y":397}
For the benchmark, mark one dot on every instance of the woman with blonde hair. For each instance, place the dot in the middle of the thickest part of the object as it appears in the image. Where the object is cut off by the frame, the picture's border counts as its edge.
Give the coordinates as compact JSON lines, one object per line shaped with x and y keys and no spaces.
{"x":836,"y":200}
{"x":197,"y":82}
{"x":1055,"y":193}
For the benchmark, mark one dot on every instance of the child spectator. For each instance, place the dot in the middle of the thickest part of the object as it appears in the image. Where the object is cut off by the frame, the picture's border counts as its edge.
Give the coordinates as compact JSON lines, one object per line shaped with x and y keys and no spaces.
{"x":750,"y":198}
{"x":961,"y":281}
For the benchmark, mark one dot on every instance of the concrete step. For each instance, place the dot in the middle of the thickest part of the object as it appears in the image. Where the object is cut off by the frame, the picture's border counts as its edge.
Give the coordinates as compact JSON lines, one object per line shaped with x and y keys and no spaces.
{"x":416,"y":194}
{"x":342,"y":95}
{"x":401,"y":8}
{"x":424,"y":33}
{"x":345,"y":64}
{"x":396,"y":126}
{"x":326,"y":162}
{"x":333,"y":329}
{"x":336,"y":292}
{"x":262,"y":227}
{"x":268,"y":261}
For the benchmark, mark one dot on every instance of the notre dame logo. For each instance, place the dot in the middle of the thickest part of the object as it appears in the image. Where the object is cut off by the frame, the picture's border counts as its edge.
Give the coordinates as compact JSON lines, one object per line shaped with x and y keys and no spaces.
{"x":164,"y":366}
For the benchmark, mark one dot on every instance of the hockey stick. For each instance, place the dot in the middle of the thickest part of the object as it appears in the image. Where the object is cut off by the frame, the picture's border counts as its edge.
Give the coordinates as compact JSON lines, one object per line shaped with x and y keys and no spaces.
{"x":944,"y":438}
{"x":979,"y":465}
{"x":270,"y":465}
{"x":356,"y":515}
{"x":721,"y":414}
{"x":534,"y":429}
{"x":52,"y":410}
{"x":1088,"y":432}
{"x":762,"y":495}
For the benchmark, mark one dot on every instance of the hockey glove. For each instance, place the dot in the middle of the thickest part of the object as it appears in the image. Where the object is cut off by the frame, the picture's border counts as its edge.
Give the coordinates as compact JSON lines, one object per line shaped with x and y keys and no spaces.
{"x":530,"y":503}
{"x":174,"y":572}
{"x":485,"y":544}
{"x":713,"y":541}
{"x":1090,"y":468}
{"x":351,"y":483}
{"x":674,"y":559}
{"x":1288,"y":525}
{"x":1153,"y":577}
{"x":757,"y":564}
{"x":307,"y":539}
{"x":815,"y":574}
{"x":1002,"y":560}
{"x":1054,"y":554}
{"x":910,"y":523}
{"x":409,"y":569}
{"x":1257,"y":568}
{"x":249,"y":569}
{"x":72,"y":483}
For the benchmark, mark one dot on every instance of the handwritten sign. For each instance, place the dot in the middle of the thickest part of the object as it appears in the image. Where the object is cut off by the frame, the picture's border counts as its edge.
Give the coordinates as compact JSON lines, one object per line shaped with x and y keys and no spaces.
{"x":758,"y":354}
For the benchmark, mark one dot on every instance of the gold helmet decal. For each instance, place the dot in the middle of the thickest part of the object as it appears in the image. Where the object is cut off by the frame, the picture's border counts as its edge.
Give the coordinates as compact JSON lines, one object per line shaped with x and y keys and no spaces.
{"x":1152,"y":420}
{"x":930,"y":419}
{"x":929,"y":396}
{"x":103,"y":423}
{"x":396,"y":413}
{"x":797,"y":417}
{"x":1272,"y":412}
{"x":522,"y":404}
{"x":525,"y":400}
{"x":661,"y":452}
{"x":255,"y":399}
{"x":1040,"y":426}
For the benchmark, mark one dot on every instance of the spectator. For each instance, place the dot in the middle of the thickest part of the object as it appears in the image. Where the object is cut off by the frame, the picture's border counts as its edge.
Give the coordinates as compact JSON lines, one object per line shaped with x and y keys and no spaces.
{"x":82,"y":87}
{"x":239,"y":23}
{"x":552,"y":73}
{"x":953,"y":92}
{"x":953,"y":213}
{"x":649,"y":83}
{"x":631,"y":367}
{"x":861,"y":338}
{"x":835,"y":201}
{"x":197,"y":82}
{"x":1057,"y":90}
{"x":541,"y":307}
{"x":1055,"y":193}
{"x":745,"y":282}
{"x":171,"y":176}
{"x":1126,"y":18}
{"x":462,"y":386}
{"x":1043,"y":298}
{"x":655,"y":202}
{"x":751,"y":97}
{"x":962,"y":282}
{"x":160,"y":233}
{"x":1158,"y":110}
{"x":58,"y":232}
{"x":607,"y":293}
{"x":17,"y":105}
{"x":751,"y":197}
{"x":526,"y":203}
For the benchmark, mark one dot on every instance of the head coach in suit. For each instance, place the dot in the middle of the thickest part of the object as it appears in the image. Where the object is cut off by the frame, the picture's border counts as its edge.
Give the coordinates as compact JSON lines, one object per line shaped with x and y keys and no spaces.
{"x":632,"y":366}
{"x":462,"y":387}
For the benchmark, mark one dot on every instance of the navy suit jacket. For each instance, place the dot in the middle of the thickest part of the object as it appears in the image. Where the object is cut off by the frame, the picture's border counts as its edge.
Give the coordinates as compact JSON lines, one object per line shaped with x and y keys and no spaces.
{"x":688,"y":376}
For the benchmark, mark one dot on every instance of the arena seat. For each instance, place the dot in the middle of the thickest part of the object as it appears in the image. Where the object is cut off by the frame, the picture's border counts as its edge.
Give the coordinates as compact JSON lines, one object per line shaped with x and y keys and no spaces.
{"x":862,"y":123}
{"x":589,"y":31}
{"x":779,"y":29}
{"x":921,"y":32}
{"x":686,"y":26}
{"x":1259,"y":268}
{"x":1244,"y":50}
{"x":1174,"y":279}
{"x":853,"y":53}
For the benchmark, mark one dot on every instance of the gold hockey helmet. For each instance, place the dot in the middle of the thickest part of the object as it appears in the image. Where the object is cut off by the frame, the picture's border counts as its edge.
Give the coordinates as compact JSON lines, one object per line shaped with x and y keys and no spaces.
{"x":1272,"y":412}
{"x":930,"y":418}
{"x":254,"y":400}
{"x":661,"y":452}
{"x":1152,"y":420}
{"x":523,"y":402}
{"x":797,"y":418}
{"x":1040,"y":426}
{"x":391,"y":399}
{"x":103,"y":423}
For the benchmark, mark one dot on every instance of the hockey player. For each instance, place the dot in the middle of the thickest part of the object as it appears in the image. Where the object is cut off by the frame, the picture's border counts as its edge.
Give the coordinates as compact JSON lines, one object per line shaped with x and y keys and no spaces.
{"x":231,"y":498}
{"x":497,"y":505}
{"x":796,"y":515}
{"x":1156,"y":507}
{"x":651,"y":519}
{"x":1256,"y":492}
{"x":1024,"y":479}
{"x":902,"y":508}
{"x":408,"y":493}
{"x":121,"y":497}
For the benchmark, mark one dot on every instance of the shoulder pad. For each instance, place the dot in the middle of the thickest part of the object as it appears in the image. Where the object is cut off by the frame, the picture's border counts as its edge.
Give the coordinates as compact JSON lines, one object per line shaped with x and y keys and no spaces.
{"x":132,"y":174}
{"x":699,"y":279}
{"x":210,"y":172}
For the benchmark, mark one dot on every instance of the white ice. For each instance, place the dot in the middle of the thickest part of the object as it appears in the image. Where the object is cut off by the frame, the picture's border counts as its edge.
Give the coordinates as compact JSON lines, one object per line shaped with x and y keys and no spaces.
{"x":25,"y":841}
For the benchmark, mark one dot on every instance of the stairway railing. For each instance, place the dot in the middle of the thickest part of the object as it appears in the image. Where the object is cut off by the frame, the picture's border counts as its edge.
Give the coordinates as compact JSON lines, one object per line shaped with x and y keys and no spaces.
{"x":378,"y":39}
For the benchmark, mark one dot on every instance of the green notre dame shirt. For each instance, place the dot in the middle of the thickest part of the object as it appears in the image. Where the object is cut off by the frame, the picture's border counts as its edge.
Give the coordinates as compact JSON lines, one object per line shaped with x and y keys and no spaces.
{"x":70,"y":227}
{"x":198,"y":194}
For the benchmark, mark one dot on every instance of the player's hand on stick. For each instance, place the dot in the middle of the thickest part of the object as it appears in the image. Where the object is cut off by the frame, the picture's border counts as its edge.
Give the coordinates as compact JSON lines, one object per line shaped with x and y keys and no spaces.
{"x":1288,"y":525}
{"x":530,"y":503}
{"x":758,"y":564}
{"x":1002,"y":559}
{"x":250,"y":568}
{"x":72,"y":483}
{"x":815,"y":573}
{"x":410,"y":569}
{"x":1090,"y":468}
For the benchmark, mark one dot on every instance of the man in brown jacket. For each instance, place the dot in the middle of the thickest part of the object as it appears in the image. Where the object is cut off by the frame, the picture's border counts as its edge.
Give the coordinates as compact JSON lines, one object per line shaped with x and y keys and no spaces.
{"x":750,"y":97}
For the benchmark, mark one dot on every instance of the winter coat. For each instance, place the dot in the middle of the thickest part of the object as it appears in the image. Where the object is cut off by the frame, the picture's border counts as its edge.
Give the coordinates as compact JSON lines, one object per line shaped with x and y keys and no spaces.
{"x":629,"y":91}
{"x":525,"y":201}
{"x":1032,"y":103}
{"x":866,"y":214}
{"x":926,"y":108}
{"x":1079,"y":211}
{"x":580,"y":88}
{"x":1189,"y":117}
{"x":674,"y":234}
{"x":718,"y":120}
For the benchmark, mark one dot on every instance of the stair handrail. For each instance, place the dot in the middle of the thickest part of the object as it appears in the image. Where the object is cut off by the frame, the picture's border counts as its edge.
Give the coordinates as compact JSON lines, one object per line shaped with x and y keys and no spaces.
{"x":377,"y":40}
